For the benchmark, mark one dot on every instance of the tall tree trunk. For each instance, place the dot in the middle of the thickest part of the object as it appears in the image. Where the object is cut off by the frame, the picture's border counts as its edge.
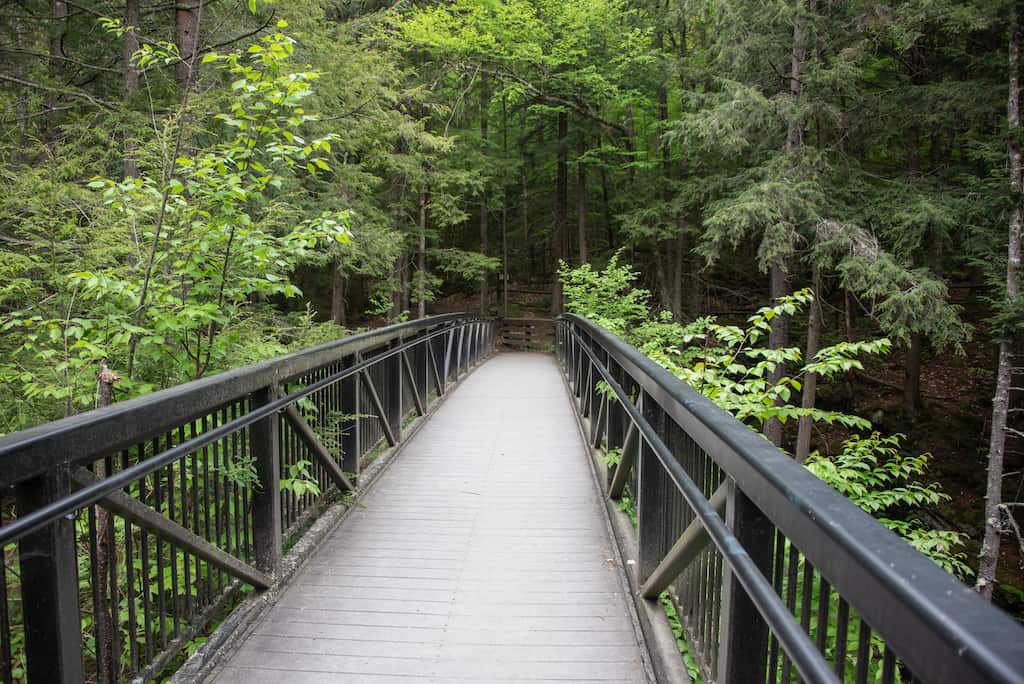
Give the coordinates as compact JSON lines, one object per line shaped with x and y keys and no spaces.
{"x":663,"y":273}
{"x":561,"y":208}
{"x":421,"y":260}
{"x":989,"y":556}
{"x":485,"y":103}
{"x":606,"y":205}
{"x":524,"y":210}
{"x":810,"y":388}
{"x":337,"y":294}
{"x":505,"y":278}
{"x":912,"y":375}
{"x":912,"y":366}
{"x":581,"y":197}
{"x":778,"y":337}
{"x":186,"y":37}
{"x":679,"y":274}
{"x":132,"y":19}
{"x":58,"y":33}
{"x":396,"y":293}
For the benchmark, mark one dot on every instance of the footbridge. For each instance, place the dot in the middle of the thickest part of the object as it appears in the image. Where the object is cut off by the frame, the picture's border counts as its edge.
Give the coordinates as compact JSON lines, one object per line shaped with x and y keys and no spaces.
{"x":412,"y":505}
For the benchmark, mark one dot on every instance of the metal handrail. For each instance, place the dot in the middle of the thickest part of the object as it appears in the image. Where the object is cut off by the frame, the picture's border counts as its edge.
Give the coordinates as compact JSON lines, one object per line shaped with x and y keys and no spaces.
{"x":92,"y":493}
{"x":243,"y":413}
{"x":936,"y":625}
{"x":32,"y":452}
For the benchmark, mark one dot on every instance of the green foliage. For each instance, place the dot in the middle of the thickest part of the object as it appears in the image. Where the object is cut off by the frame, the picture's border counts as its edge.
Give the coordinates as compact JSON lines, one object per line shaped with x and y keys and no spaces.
{"x":216,"y":246}
{"x":873,"y":473}
{"x":300,"y":480}
{"x":606,"y":297}
{"x":727,"y":364}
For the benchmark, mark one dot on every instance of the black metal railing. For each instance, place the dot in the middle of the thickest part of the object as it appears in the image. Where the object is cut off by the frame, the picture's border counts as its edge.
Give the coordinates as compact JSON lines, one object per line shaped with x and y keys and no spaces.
{"x":126,"y":530}
{"x":774,"y":575}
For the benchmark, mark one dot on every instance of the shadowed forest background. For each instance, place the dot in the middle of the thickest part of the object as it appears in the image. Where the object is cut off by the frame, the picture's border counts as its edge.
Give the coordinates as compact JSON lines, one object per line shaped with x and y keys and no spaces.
{"x":195,"y":185}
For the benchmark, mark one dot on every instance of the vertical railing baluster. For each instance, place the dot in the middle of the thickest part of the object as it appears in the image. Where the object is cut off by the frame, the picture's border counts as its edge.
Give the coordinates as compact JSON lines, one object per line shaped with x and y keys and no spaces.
{"x":264,"y":446}
{"x":49,"y":585}
{"x":743,"y":640}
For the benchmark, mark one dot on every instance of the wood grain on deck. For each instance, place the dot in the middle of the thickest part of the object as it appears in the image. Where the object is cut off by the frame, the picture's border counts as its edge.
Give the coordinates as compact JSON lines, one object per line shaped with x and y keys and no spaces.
{"x":482,"y":554}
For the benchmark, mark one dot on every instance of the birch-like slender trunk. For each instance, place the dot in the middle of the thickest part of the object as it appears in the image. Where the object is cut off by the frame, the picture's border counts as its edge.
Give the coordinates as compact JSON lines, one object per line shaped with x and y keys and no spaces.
{"x":989,"y":556}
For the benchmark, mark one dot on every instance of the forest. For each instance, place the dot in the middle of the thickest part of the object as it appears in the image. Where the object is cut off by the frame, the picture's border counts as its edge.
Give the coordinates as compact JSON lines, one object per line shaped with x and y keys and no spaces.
{"x":810,"y":210}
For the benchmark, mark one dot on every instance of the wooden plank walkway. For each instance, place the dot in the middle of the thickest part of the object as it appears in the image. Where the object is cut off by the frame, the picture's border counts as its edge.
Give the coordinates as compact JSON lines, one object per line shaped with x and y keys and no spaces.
{"x":482,"y":554}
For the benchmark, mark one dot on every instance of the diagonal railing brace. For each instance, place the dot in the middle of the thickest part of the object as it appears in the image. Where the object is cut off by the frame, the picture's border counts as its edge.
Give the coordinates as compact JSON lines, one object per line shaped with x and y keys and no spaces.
{"x":131,"y":509}
{"x":316,"y":447}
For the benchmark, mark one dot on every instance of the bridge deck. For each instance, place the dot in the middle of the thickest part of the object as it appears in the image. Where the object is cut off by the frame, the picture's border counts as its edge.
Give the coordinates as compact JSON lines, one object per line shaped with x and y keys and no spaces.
{"x":481,"y":554}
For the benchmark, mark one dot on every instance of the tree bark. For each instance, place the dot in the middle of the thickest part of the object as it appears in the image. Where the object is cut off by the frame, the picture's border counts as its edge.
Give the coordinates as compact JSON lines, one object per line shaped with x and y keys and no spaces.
{"x":132,"y":19}
{"x":912,"y":367}
{"x":810,"y":389}
{"x":912,"y":375}
{"x":186,"y":37}
{"x":337,"y":294}
{"x":989,"y":556}
{"x":679,"y":274}
{"x":485,"y":102}
{"x":59,"y":14}
{"x":504,"y":210}
{"x":421,"y":262}
{"x":561,"y":208}
{"x":778,"y":338}
{"x":105,"y":554}
{"x":581,"y":197}
{"x":524,"y":210}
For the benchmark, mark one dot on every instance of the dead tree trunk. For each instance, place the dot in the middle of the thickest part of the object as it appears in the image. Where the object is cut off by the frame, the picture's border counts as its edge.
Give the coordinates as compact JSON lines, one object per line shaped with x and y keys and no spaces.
{"x":106,"y":555}
{"x":989,"y":556}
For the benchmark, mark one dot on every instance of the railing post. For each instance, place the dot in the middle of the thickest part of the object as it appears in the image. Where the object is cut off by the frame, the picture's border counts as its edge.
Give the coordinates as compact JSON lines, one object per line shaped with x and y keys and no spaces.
{"x":265,"y":447}
{"x":421,"y":369}
{"x":49,"y":586}
{"x":743,"y":649}
{"x":651,"y":520}
{"x":350,"y":441}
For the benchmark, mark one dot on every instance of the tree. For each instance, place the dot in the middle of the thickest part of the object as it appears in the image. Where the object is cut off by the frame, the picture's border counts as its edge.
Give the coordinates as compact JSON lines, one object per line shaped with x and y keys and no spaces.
{"x":994,"y":510}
